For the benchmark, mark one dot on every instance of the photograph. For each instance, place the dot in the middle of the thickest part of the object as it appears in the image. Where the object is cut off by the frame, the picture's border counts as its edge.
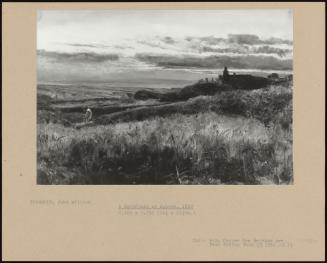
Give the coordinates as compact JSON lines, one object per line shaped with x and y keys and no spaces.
{"x":164,"y":97}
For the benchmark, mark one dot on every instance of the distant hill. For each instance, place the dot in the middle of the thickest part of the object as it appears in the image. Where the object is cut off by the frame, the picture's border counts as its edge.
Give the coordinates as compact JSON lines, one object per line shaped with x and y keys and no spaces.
{"x":234,"y":82}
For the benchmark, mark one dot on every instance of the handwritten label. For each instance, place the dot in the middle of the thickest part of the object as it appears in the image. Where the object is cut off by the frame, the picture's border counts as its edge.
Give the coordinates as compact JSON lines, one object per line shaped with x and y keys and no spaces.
{"x":243,"y":243}
{"x":156,"y":210}
{"x":59,"y":202}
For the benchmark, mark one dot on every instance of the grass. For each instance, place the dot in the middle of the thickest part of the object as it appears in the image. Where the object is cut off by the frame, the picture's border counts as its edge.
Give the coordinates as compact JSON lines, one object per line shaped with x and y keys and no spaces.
{"x":194,"y":142}
{"x":263,"y":104}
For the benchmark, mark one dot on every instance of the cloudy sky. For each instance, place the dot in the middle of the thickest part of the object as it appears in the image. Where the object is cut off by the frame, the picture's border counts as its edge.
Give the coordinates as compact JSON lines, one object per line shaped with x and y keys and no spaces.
{"x":92,"y":44}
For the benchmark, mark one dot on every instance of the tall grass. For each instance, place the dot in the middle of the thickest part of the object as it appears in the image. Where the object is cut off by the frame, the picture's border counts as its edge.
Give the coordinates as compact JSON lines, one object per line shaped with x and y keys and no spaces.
{"x":202,"y":148}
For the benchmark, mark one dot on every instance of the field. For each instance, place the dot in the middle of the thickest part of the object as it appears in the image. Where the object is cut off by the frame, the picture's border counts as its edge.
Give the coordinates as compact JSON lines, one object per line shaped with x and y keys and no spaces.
{"x":230,"y":137}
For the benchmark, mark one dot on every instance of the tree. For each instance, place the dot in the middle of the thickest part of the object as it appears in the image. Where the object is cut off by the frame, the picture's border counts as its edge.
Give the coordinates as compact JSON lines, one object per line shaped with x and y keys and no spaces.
{"x":273,"y":76}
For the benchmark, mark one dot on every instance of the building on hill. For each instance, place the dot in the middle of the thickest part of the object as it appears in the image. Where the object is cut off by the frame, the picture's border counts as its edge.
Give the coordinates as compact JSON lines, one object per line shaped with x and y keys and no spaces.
{"x":225,"y":75}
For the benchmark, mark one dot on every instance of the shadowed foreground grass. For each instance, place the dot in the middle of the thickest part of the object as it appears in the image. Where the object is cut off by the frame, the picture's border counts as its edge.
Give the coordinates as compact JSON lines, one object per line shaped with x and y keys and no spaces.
{"x":201,"y":148}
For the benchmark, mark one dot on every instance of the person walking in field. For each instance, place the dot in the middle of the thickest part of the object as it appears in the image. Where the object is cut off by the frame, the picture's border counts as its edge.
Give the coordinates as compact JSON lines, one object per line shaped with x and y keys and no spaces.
{"x":88,"y":115}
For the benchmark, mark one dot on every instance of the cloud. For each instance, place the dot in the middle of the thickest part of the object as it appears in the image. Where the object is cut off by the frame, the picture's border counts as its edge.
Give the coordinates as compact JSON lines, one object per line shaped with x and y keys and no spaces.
{"x":233,"y":44}
{"x":79,"y":60}
{"x":159,"y":42}
{"x":275,"y":40}
{"x":272,"y":50}
{"x":208,"y":40}
{"x":239,"y":44}
{"x":243,"y":49}
{"x":122,"y":47}
{"x":235,"y":50}
{"x":96,"y":45}
{"x":85,"y":45}
{"x":239,"y":62}
{"x":150,"y":43}
{"x":168,"y":40}
{"x":243,"y":39}
{"x":79,"y":57}
{"x":255,"y":40}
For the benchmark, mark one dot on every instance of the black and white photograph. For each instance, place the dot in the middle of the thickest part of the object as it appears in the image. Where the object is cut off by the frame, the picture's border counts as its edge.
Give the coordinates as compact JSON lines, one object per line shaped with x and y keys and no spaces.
{"x":165,"y":97}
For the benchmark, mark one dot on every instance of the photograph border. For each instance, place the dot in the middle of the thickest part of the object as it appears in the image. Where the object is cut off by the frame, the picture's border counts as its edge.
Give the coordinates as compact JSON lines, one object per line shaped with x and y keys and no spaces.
{"x":86,"y":223}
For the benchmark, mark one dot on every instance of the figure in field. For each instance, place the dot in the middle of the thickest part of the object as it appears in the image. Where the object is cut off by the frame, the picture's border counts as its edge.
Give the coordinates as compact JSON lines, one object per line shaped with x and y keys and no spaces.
{"x":88,"y":115}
